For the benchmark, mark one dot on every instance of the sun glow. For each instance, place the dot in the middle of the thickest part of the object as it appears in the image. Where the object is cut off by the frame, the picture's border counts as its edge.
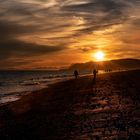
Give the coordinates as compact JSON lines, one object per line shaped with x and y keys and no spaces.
{"x":99,"y":56}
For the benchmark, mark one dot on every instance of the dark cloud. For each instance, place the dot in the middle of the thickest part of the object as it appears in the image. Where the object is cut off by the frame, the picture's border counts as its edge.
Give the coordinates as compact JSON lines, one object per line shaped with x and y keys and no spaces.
{"x":12,"y":30}
{"x":37,"y":16}
{"x":10,"y":46}
{"x":61,"y":23}
{"x":87,"y":48}
{"x":96,"y":5}
{"x":18,"y":48}
{"x":99,"y":14}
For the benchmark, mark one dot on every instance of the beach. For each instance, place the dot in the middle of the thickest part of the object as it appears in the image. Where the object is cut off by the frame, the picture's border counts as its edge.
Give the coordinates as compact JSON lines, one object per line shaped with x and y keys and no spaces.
{"x":77,"y":109}
{"x":15,"y":84}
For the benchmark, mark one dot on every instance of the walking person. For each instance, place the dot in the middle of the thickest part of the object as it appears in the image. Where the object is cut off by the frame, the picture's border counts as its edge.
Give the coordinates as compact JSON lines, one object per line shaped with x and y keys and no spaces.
{"x":76,"y":74}
{"x":94,"y":75}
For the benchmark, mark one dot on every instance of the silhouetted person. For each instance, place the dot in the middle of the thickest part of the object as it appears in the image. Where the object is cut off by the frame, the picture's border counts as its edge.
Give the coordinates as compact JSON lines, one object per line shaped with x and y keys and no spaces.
{"x":76,"y":74}
{"x":94,"y":74}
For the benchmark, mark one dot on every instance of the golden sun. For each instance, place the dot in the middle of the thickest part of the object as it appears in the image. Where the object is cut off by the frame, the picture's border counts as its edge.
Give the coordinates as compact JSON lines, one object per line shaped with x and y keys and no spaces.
{"x":99,"y":56}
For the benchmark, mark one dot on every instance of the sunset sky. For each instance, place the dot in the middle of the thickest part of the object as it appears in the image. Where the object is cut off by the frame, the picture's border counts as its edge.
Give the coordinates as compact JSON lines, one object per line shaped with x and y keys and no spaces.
{"x":39,"y":34}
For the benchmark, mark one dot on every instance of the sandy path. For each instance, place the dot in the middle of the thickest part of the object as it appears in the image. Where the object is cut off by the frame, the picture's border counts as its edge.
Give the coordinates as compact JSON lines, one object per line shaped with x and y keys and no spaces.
{"x":110,"y":110}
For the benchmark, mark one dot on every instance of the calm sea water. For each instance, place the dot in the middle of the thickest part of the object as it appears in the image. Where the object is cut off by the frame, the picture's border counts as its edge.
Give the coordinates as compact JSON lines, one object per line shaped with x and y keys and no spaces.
{"x":14,"y":84}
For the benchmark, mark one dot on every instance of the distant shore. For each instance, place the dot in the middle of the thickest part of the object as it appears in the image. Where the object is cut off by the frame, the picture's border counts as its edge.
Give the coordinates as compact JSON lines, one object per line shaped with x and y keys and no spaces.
{"x":77,"y":110}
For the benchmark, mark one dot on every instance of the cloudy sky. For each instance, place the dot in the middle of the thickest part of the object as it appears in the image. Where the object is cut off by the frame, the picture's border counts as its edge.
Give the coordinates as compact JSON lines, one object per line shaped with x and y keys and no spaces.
{"x":36,"y":34}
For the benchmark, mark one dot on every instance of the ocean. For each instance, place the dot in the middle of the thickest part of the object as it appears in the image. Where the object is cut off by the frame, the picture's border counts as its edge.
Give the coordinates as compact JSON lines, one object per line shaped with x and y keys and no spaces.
{"x":15,"y":84}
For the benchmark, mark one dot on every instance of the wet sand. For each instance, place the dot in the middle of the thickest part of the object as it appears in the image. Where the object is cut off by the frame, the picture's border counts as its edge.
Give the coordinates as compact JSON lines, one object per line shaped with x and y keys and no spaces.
{"x":77,"y":110}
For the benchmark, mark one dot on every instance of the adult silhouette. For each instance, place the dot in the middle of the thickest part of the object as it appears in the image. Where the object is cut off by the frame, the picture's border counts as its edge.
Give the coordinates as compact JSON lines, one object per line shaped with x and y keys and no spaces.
{"x":94,"y":74}
{"x":76,"y":74}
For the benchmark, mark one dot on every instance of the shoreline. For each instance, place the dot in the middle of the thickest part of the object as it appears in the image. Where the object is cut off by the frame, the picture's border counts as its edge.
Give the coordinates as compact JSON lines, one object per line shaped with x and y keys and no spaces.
{"x":19,"y":96}
{"x":14,"y":96}
{"x":77,"y":109}
{"x":53,"y":83}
